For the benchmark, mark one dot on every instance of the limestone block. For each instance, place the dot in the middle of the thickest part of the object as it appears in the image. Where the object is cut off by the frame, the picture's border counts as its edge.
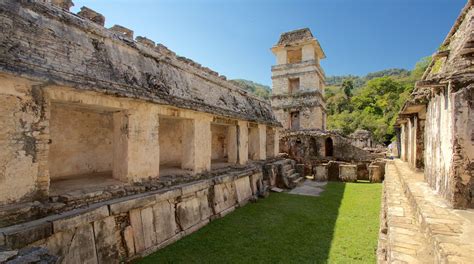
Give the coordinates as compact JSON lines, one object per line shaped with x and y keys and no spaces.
{"x":195,"y":186}
{"x":80,"y":218}
{"x":149,"y":236}
{"x":204,"y":207}
{"x":123,"y":31}
{"x":224,"y":197}
{"x":320,"y":172}
{"x":348,"y":173}
{"x":26,"y":234}
{"x":92,"y":15}
{"x":138,"y":236}
{"x":168,"y":195}
{"x":105,"y":232}
{"x":65,"y":4}
{"x":188,"y":212}
{"x":82,"y":248}
{"x":57,"y":244}
{"x":375,"y":173}
{"x":269,"y":174}
{"x":164,"y":221}
{"x":254,"y":182}
{"x":145,"y":41}
{"x":243,"y":190}
{"x":129,"y":203}
{"x":129,"y":241}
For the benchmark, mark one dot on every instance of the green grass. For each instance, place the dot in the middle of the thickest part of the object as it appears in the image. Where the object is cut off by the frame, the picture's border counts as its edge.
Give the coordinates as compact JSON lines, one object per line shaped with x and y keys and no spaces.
{"x":340,"y":226}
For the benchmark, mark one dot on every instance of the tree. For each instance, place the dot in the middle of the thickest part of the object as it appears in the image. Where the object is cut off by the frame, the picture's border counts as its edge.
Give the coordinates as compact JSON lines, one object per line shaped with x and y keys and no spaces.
{"x":347,"y":87}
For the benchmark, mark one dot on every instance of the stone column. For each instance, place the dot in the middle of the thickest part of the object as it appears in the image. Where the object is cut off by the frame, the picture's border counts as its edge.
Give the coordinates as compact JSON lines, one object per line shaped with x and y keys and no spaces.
{"x":232,"y":147}
{"x":262,"y":134}
{"x":243,"y":141}
{"x":136,"y":144}
{"x":197,"y":139}
{"x":276,"y":142}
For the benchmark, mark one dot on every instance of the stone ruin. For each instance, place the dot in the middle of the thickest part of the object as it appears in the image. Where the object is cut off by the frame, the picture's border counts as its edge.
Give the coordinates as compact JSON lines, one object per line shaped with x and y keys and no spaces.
{"x":113,"y":147}
{"x":434,"y":178}
{"x":298,"y":103}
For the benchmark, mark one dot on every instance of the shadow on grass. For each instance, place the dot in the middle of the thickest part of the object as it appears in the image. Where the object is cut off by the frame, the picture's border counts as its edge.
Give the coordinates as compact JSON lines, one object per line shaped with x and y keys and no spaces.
{"x":282,"y":228}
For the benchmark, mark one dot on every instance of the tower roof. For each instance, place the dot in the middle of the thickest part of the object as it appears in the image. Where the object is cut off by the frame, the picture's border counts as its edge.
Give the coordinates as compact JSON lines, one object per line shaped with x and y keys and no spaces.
{"x":295,"y":36}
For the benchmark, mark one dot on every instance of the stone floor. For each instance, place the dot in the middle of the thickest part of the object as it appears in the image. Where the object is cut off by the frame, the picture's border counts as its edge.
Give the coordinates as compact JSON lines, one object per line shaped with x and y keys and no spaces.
{"x":309,"y":188}
{"x":422,"y":228}
{"x":85,"y":183}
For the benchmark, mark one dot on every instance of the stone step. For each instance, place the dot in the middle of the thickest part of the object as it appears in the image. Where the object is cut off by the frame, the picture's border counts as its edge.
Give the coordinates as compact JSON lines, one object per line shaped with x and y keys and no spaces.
{"x":293,"y":176}
{"x":448,"y":229}
{"x":299,"y":181}
{"x":287,"y":167}
{"x":401,"y":238}
{"x":290,"y":172}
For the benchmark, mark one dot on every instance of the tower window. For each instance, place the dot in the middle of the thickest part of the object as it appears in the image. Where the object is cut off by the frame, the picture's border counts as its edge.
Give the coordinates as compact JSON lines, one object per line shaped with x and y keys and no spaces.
{"x":293,"y":85}
{"x":295,"y":120}
{"x":294,"y":56}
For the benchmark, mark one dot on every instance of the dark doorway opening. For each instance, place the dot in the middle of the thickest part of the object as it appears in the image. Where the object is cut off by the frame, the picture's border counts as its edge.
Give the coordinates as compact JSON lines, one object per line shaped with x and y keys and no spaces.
{"x":329,"y":148}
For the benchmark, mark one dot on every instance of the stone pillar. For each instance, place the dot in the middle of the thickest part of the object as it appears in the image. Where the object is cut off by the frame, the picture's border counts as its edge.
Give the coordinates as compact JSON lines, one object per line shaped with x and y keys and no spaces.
{"x":243,"y":142}
{"x":276,"y":140}
{"x":136,"y":145}
{"x":348,"y":172}
{"x":197,"y":139}
{"x":232,"y":147}
{"x":262,"y":142}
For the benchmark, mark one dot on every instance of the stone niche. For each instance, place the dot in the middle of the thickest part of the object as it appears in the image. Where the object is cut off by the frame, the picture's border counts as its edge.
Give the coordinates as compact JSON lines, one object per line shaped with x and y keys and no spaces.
{"x":224,"y":144}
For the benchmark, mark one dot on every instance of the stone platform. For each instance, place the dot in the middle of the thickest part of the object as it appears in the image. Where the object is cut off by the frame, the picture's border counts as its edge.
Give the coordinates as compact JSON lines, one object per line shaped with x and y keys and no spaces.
{"x":417,"y":225}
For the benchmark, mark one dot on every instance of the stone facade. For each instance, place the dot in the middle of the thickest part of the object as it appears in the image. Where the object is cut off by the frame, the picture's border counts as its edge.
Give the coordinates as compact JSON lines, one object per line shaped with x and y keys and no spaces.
{"x":78,"y":101}
{"x":298,"y":81}
{"x":437,"y":123}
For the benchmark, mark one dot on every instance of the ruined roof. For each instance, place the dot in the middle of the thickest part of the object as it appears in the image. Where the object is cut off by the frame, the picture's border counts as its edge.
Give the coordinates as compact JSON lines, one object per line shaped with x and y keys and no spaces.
{"x":49,"y":44}
{"x":295,"y":36}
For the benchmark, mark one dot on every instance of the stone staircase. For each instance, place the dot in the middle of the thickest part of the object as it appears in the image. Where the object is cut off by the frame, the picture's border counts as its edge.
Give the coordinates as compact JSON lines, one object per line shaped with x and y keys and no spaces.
{"x":417,"y":226}
{"x":288,"y":176}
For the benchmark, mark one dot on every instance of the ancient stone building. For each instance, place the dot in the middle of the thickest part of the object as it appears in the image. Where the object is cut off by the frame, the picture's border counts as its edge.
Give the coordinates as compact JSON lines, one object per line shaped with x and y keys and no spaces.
{"x":420,"y":220}
{"x":437,"y":123}
{"x":113,"y":147}
{"x":298,"y":81}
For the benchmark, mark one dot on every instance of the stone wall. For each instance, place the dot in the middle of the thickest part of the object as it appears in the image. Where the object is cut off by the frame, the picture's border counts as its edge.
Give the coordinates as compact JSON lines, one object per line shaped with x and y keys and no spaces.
{"x":131,"y":227}
{"x":81,"y":141}
{"x":50,"y":44}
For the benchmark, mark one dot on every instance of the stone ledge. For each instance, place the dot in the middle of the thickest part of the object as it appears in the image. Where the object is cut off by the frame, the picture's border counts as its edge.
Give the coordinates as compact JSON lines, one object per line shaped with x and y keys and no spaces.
{"x":447,"y":229}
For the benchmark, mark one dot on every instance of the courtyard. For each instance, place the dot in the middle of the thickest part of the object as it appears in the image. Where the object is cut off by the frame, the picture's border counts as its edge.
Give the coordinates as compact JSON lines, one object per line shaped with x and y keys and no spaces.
{"x":339,"y":226}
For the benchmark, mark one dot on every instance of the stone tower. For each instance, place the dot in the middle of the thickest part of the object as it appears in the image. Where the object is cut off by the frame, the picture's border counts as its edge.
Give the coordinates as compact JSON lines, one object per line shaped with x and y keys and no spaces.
{"x":298,"y":81}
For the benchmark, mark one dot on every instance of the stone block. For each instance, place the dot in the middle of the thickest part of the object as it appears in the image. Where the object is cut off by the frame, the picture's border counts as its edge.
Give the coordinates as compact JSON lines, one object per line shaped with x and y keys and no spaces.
{"x":188,"y":213}
{"x":224,"y":197}
{"x":145,"y":41}
{"x":105,"y":232}
{"x":137,"y":226}
{"x":129,"y":241}
{"x":204,"y":207}
{"x":27,"y":233}
{"x":300,"y":168}
{"x":269,"y":174}
{"x":164,"y":221}
{"x":149,"y":236}
{"x":362,"y":172}
{"x":254,"y":181}
{"x":122,"y":31}
{"x":243,"y":190}
{"x":92,"y":15}
{"x":64,"y":4}
{"x":168,"y":195}
{"x":348,"y":172}
{"x":375,"y":173}
{"x":82,"y":248}
{"x":129,"y":203}
{"x":195,"y":186}
{"x":320,"y":172}
{"x":57,"y":244}
{"x":80,"y":218}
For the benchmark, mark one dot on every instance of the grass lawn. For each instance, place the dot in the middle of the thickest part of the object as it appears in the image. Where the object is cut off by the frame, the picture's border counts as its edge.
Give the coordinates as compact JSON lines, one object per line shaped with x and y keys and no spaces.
{"x":340,"y":226}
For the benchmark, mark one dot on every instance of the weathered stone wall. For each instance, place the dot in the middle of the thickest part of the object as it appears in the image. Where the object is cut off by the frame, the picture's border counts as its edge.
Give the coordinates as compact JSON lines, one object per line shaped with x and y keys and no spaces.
{"x":81,"y":141}
{"x":171,"y":141}
{"x":134,"y":226}
{"x":51,"y":44}
{"x":219,"y":142}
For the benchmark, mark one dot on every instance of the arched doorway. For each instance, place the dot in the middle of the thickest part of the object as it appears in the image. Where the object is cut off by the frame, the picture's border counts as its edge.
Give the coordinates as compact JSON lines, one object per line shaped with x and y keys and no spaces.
{"x":329,"y":148}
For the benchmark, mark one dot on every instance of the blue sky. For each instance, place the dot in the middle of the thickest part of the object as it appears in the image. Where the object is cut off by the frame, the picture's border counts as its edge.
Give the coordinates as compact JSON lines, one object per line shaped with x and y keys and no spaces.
{"x":234,"y":37}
